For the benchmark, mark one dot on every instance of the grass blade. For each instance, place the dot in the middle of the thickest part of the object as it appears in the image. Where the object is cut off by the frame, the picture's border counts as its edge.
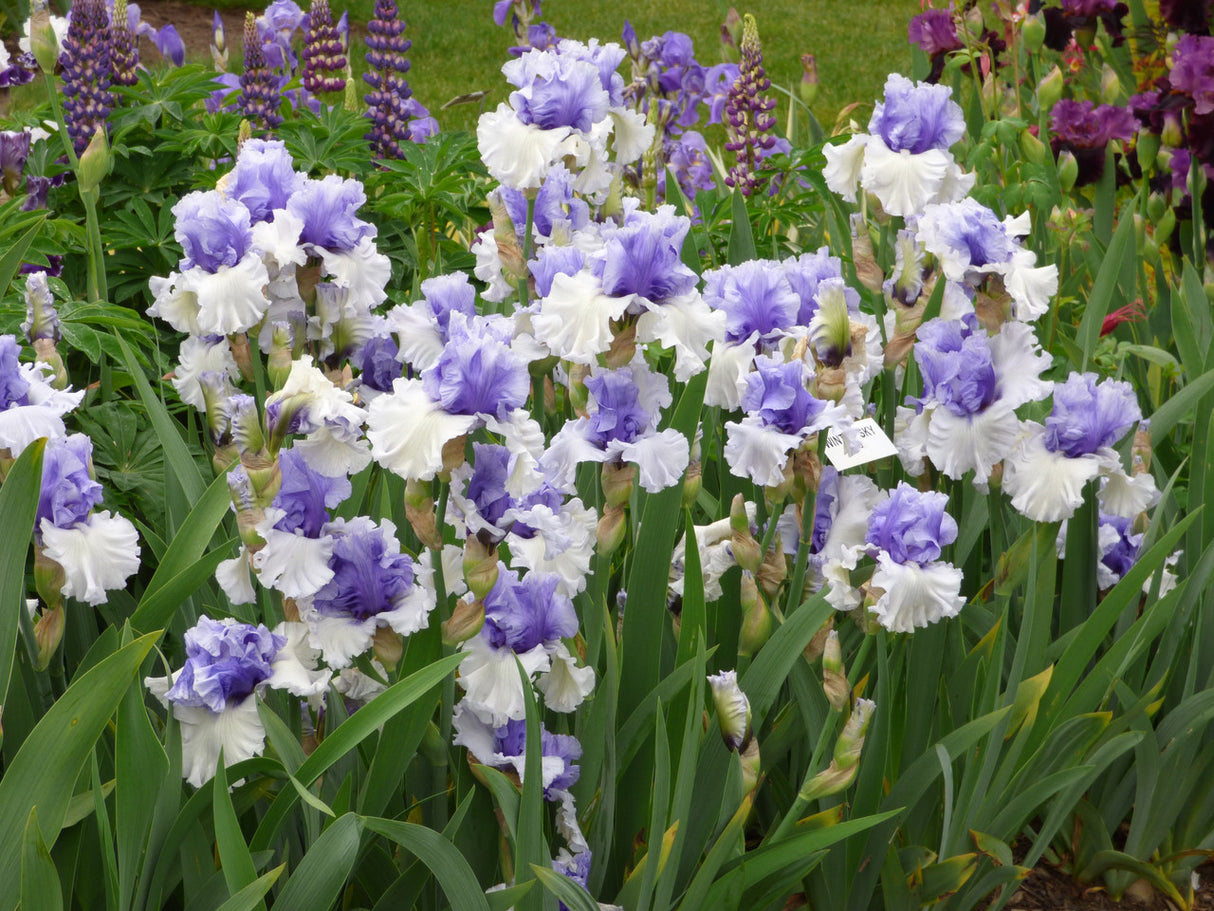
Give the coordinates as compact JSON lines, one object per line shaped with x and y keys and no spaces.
{"x":18,"y":506}
{"x":44,"y":771}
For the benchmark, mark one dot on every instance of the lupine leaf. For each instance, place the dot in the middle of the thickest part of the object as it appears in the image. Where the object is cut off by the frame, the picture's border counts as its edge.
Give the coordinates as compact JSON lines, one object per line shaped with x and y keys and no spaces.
{"x":183,"y":567}
{"x":176,"y":453}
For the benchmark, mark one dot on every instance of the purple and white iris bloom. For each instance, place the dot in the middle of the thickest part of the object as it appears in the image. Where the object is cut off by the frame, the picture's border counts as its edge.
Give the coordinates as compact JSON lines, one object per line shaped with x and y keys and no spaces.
{"x":296,"y":559}
{"x":324,"y":415}
{"x":972,"y":385}
{"x":543,"y":528}
{"x":30,"y":407}
{"x":213,"y":696}
{"x":904,"y":159}
{"x":567,"y":105}
{"x":263,"y":179}
{"x":477,"y":381}
{"x":422,"y":328}
{"x":525,"y":619}
{"x":505,"y":747}
{"x":344,"y":242}
{"x":756,"y":297}
{"x":781,"y":416}
{"x":221,"y":287}
{"x":634,"y":270}
{"x":971,"y":242}
{"x":837,"y":540}
{"x":201,"y":354}
{"x":624,"y":409}
{"x":372,"y":584}
{"x":906,"y":534}
{"x":1046,"y":472}
{"x":97,"y":550}
{"x":642,"y":261}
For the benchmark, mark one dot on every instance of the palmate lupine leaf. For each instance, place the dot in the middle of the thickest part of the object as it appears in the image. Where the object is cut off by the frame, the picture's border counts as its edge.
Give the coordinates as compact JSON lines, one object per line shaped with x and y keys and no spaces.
{"x":44,"y":772}
{"x":183,"y":568}
{"x":176,"y":453}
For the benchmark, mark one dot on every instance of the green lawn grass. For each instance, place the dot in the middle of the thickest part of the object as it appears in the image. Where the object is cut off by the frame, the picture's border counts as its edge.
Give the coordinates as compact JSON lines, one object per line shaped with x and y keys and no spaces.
{"x":457,"y":49}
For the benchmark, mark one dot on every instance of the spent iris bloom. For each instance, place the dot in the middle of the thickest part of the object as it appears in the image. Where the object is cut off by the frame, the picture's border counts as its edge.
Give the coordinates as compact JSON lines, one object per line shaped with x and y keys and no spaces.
{"x":904,"y":159}
{"x":970,"y":242}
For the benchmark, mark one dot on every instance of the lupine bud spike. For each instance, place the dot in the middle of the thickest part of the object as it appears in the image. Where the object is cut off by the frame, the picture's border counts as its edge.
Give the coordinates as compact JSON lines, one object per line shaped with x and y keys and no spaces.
{"x":87,"y":71}
{"x":260,"y":97}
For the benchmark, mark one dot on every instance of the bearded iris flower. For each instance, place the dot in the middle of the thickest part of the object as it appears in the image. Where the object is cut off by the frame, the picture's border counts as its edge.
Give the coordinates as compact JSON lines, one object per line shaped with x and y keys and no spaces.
{"x":213,"y":696}
{"x":1049,"y":467}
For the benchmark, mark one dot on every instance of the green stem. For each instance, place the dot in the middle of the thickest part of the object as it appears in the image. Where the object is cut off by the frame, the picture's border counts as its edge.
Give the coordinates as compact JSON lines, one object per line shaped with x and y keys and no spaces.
{"x":796,"y":584}
{"x":98,"y":290}
{"x":96,"y":271}
{"x":801,"y":804}
{"x":443,"y":610}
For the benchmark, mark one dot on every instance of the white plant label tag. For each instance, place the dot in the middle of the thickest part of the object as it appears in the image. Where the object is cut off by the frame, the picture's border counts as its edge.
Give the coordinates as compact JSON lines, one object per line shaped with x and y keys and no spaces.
{"x":874,"y":444}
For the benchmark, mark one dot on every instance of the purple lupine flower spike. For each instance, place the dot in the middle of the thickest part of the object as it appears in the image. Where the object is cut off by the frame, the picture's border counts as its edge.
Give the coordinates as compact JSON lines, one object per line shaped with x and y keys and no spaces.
{"x":748,"y":111}
{"x":324,"y":54}
{"x":124,"y":50}
{"x":259,"y":89}
{"x":388,"y":102}
{"x":86,"y":72}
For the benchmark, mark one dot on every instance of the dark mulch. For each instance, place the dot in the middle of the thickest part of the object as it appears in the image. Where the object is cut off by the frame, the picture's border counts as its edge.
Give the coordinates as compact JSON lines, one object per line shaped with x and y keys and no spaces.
{"x":1048,"y":889}
{"x":194,"y":24}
